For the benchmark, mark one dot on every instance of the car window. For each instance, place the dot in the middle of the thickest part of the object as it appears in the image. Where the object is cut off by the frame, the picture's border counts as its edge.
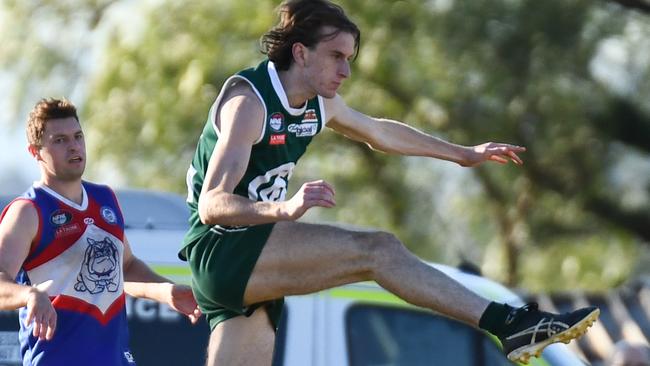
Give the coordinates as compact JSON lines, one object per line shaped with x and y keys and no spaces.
{"x":383,"y":336}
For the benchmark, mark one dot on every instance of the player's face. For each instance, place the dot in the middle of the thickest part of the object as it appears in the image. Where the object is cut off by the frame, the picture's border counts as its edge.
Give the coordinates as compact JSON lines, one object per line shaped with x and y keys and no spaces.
{"x":328,"y":63}
{"x":63,"y":154}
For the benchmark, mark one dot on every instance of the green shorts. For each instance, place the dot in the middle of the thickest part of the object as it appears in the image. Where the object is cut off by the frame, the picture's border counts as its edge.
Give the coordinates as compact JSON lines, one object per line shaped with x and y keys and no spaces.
{"x":221,"y":262}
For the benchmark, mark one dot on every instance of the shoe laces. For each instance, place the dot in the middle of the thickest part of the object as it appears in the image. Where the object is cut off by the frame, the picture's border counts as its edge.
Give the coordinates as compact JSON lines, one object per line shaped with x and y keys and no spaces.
{"x":516,"y":313}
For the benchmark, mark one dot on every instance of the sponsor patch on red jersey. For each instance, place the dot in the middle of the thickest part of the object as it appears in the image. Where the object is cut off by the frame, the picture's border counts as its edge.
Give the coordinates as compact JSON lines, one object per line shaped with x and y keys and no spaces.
{"x":66,"y":230}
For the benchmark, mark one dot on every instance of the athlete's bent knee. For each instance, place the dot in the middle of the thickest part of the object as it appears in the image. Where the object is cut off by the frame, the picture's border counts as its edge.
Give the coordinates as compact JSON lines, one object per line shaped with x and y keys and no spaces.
{"x":382,"y":248}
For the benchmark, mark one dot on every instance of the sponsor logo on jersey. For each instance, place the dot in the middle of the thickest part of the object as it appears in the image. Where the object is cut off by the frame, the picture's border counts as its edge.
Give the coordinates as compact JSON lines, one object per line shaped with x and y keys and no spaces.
{"x":66,"y":230}
{"x":278,"y":139}
{"x":304,"y":129}
{"x":310,"y":116}
{"x":276,"y":121}
{"x":109,"y":215}
{"x":60,"y":217}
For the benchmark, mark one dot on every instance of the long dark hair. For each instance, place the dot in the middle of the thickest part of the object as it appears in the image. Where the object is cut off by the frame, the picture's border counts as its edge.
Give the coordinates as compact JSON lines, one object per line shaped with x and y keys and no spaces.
{"x":302,"y":21}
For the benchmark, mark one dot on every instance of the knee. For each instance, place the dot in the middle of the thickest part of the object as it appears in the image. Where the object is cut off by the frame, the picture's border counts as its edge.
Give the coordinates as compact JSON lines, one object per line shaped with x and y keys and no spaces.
{"x":380,"y":248}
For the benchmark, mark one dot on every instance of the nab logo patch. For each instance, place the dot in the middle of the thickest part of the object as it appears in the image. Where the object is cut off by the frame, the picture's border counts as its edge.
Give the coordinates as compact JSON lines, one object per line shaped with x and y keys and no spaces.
{"x":277,"y":122}
{"x":278,"y":139}
{"x":109,"y":215}
{"x":60,"y":217}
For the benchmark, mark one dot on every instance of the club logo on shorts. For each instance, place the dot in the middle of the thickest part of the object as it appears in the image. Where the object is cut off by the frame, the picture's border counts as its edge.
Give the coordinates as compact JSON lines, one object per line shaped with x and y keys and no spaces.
{"x":129,"y":357}
{"x":109,"y":215}
{"x":276,"y":121}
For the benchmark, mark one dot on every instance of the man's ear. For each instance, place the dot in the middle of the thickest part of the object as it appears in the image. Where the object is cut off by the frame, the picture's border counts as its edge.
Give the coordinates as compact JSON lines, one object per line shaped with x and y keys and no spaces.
{"x":299,"y":52}
{"x":34,"y":151}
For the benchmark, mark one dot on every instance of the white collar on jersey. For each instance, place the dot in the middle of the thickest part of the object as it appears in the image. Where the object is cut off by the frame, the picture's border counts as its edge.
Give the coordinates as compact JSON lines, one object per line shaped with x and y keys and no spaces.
{"x":279,"y":90}
{"x":51,"y":192}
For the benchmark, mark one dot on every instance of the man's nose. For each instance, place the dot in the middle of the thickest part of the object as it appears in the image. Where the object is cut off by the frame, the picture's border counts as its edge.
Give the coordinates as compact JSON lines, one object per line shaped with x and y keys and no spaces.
{"x":74,"y":145}
{"x":345,"y":70}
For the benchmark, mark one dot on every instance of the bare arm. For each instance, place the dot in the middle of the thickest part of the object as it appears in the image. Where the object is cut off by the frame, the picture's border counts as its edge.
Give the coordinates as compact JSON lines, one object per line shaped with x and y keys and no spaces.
{"x":17,"y":230}
{"x":141,"y":281}
{"x":241,"y":119}
{"x":396,"y":137}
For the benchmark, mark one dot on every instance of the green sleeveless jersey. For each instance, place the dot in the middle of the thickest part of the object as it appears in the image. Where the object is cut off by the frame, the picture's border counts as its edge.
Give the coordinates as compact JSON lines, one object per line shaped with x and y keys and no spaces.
{"x":286,"y":133}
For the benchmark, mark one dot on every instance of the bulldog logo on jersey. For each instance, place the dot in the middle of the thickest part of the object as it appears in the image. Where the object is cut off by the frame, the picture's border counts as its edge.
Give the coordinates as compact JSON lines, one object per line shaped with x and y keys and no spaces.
{"x":100,"y":269}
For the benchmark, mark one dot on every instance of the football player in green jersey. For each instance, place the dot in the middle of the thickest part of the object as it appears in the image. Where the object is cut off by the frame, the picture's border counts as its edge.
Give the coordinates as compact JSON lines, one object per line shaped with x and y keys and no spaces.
{"x":245,"y":248}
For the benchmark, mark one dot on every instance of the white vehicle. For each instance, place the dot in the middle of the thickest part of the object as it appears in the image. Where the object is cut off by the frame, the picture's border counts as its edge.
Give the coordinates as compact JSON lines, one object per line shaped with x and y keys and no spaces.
{"x":354,"y":325}
{"x":363,"y":325}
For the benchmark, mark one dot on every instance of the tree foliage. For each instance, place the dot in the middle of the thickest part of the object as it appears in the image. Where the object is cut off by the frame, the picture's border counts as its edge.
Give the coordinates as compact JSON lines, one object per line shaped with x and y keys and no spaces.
{"x":567,"y":79}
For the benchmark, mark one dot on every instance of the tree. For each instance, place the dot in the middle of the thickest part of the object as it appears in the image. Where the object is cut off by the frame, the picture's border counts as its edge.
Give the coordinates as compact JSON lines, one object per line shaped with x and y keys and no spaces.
{"x":46,"y":48}
{"x":524,"y":71}
{"x":514,"y":71}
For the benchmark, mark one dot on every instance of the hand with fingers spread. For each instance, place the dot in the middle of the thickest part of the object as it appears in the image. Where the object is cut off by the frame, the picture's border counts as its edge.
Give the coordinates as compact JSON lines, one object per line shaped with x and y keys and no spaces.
{"x":317,"y":193}
{"x":41,"y":312}
{"x":492,"y":151}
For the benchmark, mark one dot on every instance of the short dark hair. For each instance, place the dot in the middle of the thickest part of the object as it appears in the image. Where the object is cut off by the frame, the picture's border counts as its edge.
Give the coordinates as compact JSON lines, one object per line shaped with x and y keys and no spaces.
{"x":44,"y":110}
{"x":302,"y":21}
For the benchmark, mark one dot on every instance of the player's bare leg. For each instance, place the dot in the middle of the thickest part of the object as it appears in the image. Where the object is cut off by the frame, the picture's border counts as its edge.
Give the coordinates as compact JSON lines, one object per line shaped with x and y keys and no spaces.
{"x":302,"y":258}
{"x":242,"y":341}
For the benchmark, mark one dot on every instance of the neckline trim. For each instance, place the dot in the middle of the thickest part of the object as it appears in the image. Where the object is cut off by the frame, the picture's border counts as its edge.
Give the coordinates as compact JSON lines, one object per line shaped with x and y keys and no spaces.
{"x":282,"y":95}
{"x":53,"y":193}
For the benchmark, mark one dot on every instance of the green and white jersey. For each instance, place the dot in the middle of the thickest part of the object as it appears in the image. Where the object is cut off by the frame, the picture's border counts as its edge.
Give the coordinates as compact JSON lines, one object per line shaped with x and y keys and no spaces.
{"x":286,"y":133}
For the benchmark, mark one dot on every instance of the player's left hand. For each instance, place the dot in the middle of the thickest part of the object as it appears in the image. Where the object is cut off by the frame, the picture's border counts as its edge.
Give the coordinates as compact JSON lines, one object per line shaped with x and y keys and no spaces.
{"x":182,"y":300}
{"x":493,"y":151}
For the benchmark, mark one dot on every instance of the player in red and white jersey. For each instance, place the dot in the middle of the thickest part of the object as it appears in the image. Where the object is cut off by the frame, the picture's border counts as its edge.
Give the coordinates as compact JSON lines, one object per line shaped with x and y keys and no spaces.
{"x":64,"y":258}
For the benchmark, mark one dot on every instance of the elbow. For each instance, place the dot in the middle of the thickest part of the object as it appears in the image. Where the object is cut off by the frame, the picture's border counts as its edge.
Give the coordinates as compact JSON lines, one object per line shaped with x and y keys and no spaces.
{"x":204,"y":214}
{"x":207,"y":212}
{"x":384,"y":148}
{"x":380,"y":143}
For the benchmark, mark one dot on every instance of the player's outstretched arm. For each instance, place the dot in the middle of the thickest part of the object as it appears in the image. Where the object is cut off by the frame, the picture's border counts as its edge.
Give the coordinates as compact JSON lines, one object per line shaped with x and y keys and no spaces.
{"x":17,"y":230}
{"x":398,"y":138}
{"x":141,"y":281}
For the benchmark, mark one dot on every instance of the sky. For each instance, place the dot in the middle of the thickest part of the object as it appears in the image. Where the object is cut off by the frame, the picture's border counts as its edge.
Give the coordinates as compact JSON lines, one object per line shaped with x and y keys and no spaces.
{"x":17,"y":168}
